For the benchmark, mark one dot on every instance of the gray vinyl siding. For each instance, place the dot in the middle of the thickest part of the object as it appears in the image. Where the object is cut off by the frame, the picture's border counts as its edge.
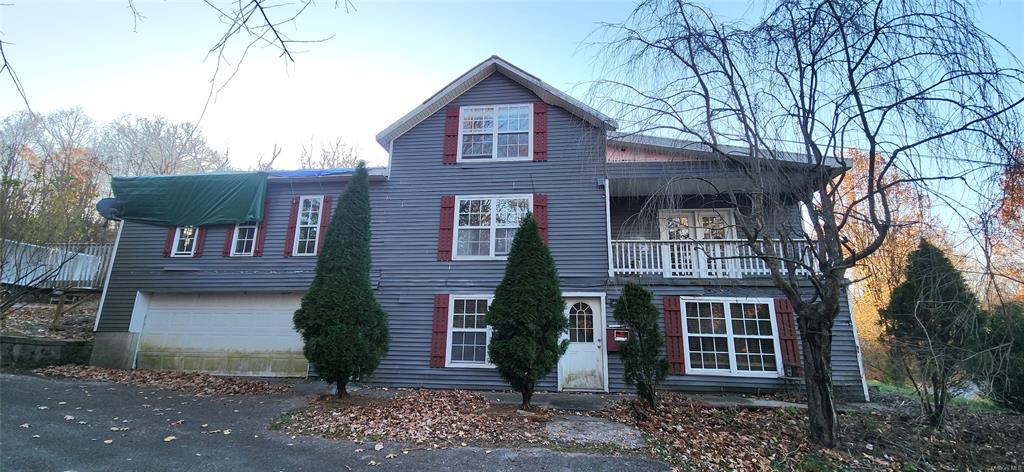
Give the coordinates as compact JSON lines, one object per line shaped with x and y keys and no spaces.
{"x":405,"y":235}
{"x":140,"y":265}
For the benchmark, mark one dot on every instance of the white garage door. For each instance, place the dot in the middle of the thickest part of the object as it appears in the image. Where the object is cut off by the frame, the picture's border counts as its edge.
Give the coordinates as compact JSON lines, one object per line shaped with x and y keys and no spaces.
{"x":232,"y":334}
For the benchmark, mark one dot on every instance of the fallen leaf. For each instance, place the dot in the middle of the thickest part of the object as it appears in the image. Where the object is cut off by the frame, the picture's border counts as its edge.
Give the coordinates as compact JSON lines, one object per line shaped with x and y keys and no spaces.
{"x":68,"y":417}
{"x":378,"y":447}
{"x":170,"y":438}
{"x":24,"y":425}
{"x":108,"y":441}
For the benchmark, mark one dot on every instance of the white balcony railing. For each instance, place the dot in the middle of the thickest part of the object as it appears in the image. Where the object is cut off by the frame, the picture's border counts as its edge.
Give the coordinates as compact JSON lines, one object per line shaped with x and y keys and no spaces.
{"x":705,"y":259}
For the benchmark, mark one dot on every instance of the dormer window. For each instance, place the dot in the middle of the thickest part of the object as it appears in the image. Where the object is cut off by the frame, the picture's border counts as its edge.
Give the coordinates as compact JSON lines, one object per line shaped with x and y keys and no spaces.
{"x":496,"y":132}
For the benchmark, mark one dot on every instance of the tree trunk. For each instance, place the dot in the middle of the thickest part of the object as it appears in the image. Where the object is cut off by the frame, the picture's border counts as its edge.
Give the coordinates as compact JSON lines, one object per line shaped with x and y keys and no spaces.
{"x":527,"y":395}
{"x":821,"y":410}
{"x":342,"y":388}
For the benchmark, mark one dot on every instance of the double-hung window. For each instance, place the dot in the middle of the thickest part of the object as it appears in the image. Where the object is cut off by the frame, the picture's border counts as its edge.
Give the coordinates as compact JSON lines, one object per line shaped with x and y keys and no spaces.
{"x":468,"y":334}
{"x":485,"y":226}
{"x":244,"y":242}
{"x":731,"y":337}
{"x":184,"y":244}
{"x":307,"y":228}
{"x":499,"y":132}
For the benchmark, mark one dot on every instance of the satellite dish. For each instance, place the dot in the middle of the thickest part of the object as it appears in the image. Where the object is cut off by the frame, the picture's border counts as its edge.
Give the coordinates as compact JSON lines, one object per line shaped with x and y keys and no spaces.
{"x":109,"y":208}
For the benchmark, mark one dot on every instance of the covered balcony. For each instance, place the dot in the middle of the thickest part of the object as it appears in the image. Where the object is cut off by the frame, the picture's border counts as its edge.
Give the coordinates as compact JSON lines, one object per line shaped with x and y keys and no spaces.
{"x":690,"y":237}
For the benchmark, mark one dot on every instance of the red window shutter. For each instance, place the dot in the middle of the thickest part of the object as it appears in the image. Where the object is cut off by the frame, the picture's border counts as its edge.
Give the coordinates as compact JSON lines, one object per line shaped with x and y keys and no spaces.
{"x":540,"y":131}
{"x":446,"y":228}
{"x":325,"y":219}
{"x":229,"y":236}
{"x":439,"y":332}
{"x":169,"y":241}
{"x":674,"y":335}
{"x":540,"y":214}
{"x":785,"y":319}
{"x":261,"y":235}
{"x":200,"y":242}
{"x":293,"y":219}
{"x":451,"y":135}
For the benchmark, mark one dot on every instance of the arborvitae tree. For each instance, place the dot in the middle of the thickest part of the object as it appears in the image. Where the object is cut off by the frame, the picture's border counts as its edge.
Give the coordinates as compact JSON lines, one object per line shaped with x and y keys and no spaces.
{"x":643,"y":364}
{"x":1006,"y":343}
{"x":344,"y":329}
{"x":933,"y":327}
{"x":527,"y":316}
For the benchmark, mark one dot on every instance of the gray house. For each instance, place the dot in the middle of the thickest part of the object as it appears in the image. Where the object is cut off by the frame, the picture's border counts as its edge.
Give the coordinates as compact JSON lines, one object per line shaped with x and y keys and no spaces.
{"x":465,"y":166}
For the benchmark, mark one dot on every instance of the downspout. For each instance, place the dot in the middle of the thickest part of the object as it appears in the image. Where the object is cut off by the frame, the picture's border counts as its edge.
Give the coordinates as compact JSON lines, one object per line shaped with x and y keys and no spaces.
{"x":110,"y":269}
{"x":608,"y":224}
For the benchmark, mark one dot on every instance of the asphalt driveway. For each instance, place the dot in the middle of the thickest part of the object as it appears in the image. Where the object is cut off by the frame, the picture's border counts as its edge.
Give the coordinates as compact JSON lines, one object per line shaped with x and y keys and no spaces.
{"x":61,"y":425}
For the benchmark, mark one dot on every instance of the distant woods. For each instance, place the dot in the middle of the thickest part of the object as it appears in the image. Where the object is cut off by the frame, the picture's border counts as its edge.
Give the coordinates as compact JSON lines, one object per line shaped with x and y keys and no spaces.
{"x":55,"y":166}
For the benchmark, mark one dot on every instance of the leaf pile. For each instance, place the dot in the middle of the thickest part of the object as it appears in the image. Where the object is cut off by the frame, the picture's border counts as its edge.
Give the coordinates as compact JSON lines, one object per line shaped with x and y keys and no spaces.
{"x":689,"y":434}
{"x":200,"y":384}
{"x":419,"y":416}
{"x":34,"y":321}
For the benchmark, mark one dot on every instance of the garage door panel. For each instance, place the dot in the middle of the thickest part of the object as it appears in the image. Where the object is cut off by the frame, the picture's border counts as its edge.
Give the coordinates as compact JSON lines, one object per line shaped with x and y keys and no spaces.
{"x":233,"y":334}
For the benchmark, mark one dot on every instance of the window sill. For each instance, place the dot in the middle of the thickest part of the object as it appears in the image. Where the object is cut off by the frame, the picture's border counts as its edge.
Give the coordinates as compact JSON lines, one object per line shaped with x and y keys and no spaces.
{"x":182,"y":256}
{"x":461,"y":160}
{"x":479,"y":258}
{"x":456,"y":365}
{"x":760,"y":375}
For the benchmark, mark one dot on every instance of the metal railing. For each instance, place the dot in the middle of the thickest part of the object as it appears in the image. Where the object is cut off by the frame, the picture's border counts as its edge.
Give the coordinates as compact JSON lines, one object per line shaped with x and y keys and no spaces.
{"x":699,"y":259}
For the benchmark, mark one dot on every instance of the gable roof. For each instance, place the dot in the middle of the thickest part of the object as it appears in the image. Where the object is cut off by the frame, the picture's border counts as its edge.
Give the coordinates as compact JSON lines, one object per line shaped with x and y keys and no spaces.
{"x":481,"y":71}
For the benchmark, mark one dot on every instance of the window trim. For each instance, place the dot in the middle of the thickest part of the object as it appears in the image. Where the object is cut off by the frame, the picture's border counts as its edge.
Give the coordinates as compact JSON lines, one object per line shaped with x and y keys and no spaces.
{"x":733,"y":371}
{"x":494,"y":141}
{"x":455,"y":224}
{"x":448,"y":363}
{"x":255,"y":238}
{"x":177,"y":238}
{"x":298,"y":227}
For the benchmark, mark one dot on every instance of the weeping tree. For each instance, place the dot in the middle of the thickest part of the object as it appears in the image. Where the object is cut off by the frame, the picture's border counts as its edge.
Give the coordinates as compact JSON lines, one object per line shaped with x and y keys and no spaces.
{"x":777,"y":101}
{"x":344,"y":330}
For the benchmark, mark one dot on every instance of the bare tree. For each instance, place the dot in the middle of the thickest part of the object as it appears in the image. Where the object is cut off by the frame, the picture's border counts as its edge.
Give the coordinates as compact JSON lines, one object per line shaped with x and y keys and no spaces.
{"x":914,"y":82}
{"x":333,"y":155}
{"x":154,"y":146}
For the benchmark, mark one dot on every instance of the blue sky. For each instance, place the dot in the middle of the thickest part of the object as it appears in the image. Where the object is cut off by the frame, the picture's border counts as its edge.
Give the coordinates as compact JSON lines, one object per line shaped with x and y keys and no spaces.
{"x":385,"y":57}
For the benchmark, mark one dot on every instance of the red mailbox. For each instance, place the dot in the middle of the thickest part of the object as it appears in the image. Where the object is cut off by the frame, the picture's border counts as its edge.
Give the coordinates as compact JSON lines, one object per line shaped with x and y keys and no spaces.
{"x":616,"y":335}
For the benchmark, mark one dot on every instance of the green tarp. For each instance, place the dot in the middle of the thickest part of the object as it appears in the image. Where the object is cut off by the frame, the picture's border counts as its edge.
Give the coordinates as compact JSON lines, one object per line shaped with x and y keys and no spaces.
{"x":191,"y":200}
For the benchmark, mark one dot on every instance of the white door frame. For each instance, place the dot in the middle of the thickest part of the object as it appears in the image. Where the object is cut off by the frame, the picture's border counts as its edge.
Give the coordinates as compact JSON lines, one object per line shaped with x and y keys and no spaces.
{"x":603,"y":331}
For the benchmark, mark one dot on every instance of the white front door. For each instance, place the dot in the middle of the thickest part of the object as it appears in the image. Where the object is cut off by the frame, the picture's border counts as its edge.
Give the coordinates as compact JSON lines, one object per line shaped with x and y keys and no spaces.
{"x":582,"y":365}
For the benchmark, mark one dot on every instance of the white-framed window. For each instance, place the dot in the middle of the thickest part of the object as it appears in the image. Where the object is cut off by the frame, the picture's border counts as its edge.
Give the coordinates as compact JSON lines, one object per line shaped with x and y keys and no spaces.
{"x":731,"y":336}
{"x":700,"y":225}
{"x":486,"y":225}
{"x":496,"y":132}
{"x":244,"y":241}
{"x":184,"y":244}
{"x":307,"y":228}
{"x":468,"y":333}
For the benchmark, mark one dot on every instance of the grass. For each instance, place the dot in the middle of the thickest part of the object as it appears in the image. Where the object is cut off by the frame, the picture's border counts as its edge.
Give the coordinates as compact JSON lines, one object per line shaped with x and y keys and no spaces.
{"x":975,"y":403}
